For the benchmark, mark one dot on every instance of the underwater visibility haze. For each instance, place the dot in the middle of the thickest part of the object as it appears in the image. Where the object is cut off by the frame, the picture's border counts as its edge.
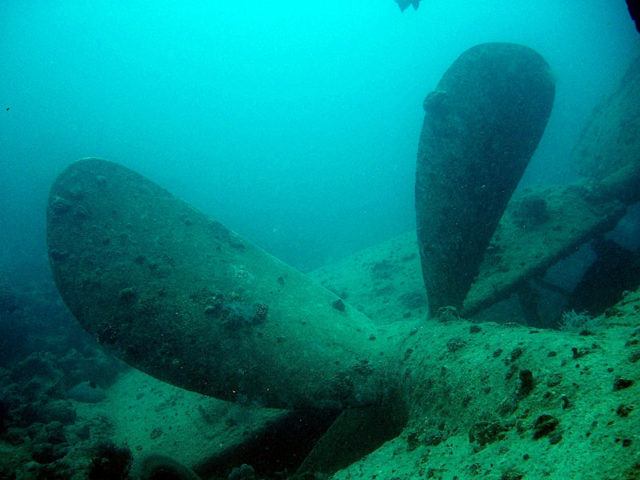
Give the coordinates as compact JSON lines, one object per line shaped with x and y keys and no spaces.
{"x":292,"y":123}
{"x":226,"y":195}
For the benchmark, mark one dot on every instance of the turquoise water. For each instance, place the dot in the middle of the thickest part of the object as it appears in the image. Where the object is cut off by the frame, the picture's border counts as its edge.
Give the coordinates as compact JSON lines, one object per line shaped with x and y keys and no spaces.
{"x":294,"y":123}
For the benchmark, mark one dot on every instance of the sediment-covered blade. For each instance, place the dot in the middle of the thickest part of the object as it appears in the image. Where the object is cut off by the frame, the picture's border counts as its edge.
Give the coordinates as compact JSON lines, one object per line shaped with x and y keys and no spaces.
{"x":482,"y":124}
{"x":186,"y":300}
